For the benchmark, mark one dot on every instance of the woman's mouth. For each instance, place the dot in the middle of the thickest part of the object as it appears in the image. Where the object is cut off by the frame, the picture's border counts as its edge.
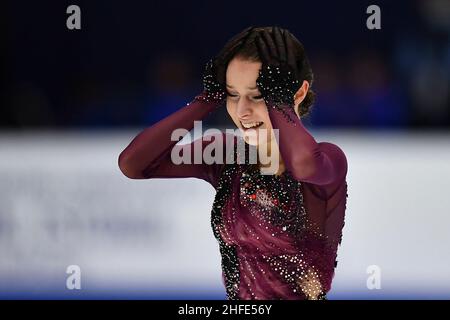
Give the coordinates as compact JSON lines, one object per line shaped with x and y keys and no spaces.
{"x":252,"y":125}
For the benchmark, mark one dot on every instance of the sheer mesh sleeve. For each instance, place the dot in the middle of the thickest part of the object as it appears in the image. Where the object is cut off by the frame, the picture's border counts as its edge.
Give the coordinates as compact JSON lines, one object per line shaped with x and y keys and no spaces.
{"x":149,"y":154}
{"x":323,"y":164}
{"x":322,"y":167}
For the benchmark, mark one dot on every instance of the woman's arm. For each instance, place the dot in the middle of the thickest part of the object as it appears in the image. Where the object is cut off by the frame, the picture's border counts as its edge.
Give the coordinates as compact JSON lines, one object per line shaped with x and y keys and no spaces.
{"x":322,"y":164}
{"x":149,"y":153}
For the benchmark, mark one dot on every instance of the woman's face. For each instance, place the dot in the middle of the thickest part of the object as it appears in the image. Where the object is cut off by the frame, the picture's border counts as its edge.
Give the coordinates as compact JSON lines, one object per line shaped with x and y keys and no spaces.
{"x":245,"y":104}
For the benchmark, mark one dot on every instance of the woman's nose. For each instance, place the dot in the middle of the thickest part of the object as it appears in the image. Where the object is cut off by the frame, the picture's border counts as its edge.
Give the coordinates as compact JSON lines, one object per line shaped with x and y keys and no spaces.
{"x":243,"y":109}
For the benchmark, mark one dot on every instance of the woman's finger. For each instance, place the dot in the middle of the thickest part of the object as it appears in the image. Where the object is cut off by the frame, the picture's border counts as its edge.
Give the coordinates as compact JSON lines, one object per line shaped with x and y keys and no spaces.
{"x":279,"y":43}
{"x":263,"y":50}
{"x":290,"y":57}
{"x":272,"y":50}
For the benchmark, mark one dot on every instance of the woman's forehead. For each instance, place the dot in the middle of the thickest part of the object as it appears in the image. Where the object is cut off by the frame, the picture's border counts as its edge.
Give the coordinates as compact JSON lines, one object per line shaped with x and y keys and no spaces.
{"x":242,"y":74}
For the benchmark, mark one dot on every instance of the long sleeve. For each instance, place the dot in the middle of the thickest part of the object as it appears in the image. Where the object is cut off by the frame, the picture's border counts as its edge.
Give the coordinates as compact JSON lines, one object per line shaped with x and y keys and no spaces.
{"x":323,"y":167}
{"x":149,"y":154}
{"x":323,"y":164}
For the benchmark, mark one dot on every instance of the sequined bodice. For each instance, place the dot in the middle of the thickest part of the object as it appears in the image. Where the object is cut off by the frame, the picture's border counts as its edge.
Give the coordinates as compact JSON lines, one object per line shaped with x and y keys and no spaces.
{"x":259,"y":220}
{"x":274,"y":200}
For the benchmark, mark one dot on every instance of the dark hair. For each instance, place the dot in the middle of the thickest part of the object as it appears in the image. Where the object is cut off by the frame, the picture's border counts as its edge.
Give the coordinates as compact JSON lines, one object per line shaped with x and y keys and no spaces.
{"x":243,"y":45}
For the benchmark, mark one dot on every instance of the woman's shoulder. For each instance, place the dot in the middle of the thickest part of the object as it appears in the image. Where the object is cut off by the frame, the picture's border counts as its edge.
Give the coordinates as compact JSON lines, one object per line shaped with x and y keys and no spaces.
{"x":336,"y":154}
{"x":333,"y":147}
{"x":339,"y":160}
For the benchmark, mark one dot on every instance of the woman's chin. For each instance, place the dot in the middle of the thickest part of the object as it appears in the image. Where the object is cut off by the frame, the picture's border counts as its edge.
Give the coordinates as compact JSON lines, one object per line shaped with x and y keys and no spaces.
{"x":250,"y":137}
{"x":256,"y":141}
{"x":251,"y":141}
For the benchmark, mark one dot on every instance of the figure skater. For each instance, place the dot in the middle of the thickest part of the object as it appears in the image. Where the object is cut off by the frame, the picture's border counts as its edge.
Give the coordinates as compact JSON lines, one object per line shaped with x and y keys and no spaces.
{"x":278,"y":233}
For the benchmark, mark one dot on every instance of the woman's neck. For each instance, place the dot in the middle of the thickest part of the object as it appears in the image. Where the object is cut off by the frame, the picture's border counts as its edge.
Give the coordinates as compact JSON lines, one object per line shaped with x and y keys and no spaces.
{"x":270,"y":152}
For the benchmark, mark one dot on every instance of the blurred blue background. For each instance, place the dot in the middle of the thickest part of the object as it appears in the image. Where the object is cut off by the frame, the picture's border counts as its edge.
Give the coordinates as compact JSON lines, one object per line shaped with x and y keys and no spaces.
{"x":134,"y":62}
{"x":72,"y":100}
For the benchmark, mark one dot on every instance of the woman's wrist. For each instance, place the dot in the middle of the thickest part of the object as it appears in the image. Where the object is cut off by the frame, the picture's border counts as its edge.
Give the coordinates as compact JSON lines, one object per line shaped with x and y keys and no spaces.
{"x":287,"y":110}
{"x":213,"y":90}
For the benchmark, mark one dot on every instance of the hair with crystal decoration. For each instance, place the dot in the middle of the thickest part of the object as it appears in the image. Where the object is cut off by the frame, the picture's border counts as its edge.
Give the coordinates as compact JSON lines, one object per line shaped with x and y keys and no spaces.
{"x":245,"y":48}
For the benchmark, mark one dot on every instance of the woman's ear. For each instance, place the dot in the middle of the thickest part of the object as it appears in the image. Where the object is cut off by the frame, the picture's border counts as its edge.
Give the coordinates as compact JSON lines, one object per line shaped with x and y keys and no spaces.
{"x":300,"y":95}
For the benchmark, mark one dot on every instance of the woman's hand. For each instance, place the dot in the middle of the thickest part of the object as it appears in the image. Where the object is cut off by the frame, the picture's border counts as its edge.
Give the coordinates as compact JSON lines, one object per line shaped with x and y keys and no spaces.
{"x":213,"y":90}
{"x":277,"y":81}
{"x":215,"y":69}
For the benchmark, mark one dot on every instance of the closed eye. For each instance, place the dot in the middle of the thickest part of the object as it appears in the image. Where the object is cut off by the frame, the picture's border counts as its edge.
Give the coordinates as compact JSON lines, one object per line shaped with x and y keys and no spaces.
{"x":235,"y":95}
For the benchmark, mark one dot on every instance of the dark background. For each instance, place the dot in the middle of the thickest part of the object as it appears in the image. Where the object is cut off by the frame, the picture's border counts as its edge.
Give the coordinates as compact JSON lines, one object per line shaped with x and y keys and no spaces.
{"x":134,"y":62}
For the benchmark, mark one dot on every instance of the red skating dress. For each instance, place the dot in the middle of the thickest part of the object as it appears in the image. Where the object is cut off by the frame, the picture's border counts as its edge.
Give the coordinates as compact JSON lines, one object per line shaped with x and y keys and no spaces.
{"x":278,"y":235}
